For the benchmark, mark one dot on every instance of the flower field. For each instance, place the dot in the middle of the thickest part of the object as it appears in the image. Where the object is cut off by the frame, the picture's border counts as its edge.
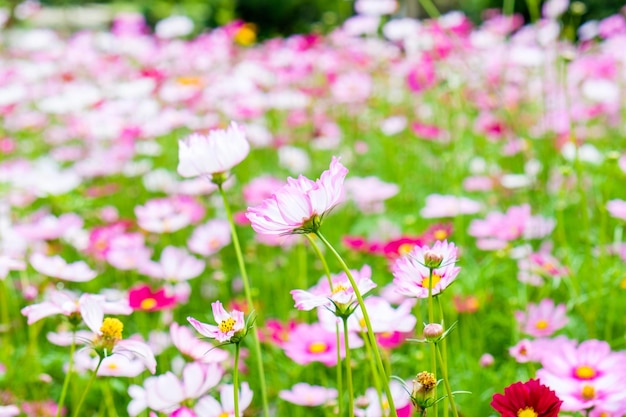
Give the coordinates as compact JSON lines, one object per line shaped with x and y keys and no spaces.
{"x":398,"y":218}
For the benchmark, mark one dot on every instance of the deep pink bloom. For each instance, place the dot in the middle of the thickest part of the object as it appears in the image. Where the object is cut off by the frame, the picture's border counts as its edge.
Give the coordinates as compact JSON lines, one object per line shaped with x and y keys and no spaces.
{"x":313,"y":343}
{"x":523,"y":399}
{"x":293,"y":208}
{"x":141,"y":297}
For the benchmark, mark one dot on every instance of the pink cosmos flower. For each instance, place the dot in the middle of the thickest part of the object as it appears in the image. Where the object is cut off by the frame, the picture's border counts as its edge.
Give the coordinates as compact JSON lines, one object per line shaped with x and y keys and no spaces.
{"x":313,"y":343}
{"x":229,"y":325}
{"x":438,"y":206}
{"x":368,"y":193}
{"x":9,"y":411}
{"x":8,"y":264}
{"x":127,"y":251}
{"x":603,"y":393}
{"x":161,"y":215}
{"x":166,"y":393}
{"x":115,"y":365}
{"x":352,"y":87}
{"x":141,"y":297}
{"x":341,"y":295}
{"x":401,"y":400}
{"x":412,"y":277}
{"x":210,"y":407}
{"x":217,"y":152}
{"x":299,"y":206}
{"x":261,"y":188}
{"x":49,"y":227}
{"x":524,"y":351}
{"x":175,"y":265}
{"x":538,"y":266}
{"x":193,"y":348}
{"x":543,"y":319}
{"x":68,"y":304}
{"x":617,"y":208}
{"x":100,"y":238}
{"x":209,"y":238}
{"x":308,"y":395}
{"x":57,"y":267}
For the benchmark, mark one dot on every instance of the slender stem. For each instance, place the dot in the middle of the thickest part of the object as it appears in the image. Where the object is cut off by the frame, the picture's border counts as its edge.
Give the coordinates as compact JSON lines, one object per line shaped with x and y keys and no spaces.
{"x":368,"y":323}
{"x":444,"y":352}
{"x":236,"y":381}
{"x":508,"y":7}
{"x":246,"y":286}
{"x":431,"y":319}
{"x":370,"y":358}
{"x":446,"y":383}
{"x":108,"y":399}
{"x":337,"y":333}
{"x":430,"y":8}
{"x":88,"y":387}
{"x":348,"y":367}
{"x":68,"y":375}
{"x":533,"y":9}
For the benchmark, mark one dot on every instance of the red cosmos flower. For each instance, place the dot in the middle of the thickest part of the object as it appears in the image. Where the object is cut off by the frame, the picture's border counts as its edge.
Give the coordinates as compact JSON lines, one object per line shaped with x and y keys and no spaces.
{"x":527,"y":399}
{"x":143,"y":298}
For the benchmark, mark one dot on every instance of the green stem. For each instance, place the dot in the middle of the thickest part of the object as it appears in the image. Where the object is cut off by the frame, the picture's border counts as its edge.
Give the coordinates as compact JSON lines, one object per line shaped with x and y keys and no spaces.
{"x":444,"y":352}
{"x":430,"y":8}
{"x":348,"y":367}
{"x":368,"y":323}
{"x":446,"y":383}
{"x":68,"y":375}
{"x":236,"y":381}
{"x":533,"y":9}
{"x":108,"y":399}
{"x":431,"y":319}
{"x":370,"y":358}
{"x":337,"y":333}
{"x":508,"y":8}
{"x":88,"y":387}
{"x":246,"y":286}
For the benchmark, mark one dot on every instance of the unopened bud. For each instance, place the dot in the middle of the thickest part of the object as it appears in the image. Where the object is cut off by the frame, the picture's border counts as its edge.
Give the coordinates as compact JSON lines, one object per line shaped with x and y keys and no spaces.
{"x":433,"y":331}
{"x":432,"y":259}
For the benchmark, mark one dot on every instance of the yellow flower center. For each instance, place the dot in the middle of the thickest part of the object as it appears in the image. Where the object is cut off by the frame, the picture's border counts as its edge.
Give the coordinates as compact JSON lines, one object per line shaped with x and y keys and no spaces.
{"x":317,"y":347}
{"x":440,"y":234}
{"x":431,"y":282}
{"x":112,"y":328}
{"x":541,"y":325}
{"x":223,"y":415}
{"x":190,"y":81}
{"x":405,"y":248}
{"x":227,"y":325}
{"x":362,"y":323}
{"x":148,"y":304}
{"x":622,"y":284}
{"x":585,"y":372}
{"x":526,"y":412}
{"x":426,"y":380}
{"x":112,"y":366}
{"x":588,"y":392}
{"x":246,"y":35}
{"x":339,"y":287}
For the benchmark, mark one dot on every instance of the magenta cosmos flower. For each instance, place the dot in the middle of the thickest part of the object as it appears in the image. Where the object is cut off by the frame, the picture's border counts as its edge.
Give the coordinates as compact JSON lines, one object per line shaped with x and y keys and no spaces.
{"x":527,"y":399}
{"x":412,"y":276}
{"x":215,"y":153}
{"x":300,"y":205}
{"x":229,"y":327}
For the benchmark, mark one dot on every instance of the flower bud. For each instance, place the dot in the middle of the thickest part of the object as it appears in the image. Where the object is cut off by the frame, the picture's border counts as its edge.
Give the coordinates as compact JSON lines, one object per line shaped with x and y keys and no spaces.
{"x":432,"y":259}
{"x":433,"y":331}
{"x":423,"y":393}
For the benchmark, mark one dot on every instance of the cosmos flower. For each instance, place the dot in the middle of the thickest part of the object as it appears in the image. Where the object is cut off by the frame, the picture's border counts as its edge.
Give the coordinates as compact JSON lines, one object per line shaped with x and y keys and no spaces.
{"x":543,"y":319}
{"x":308,"y":395}
{"x":300,"y":205}
{"x":57,"y":267}
{"x":210,"y":407}
{"x":230,"y":326}
{"x":527,"y":399}
{"x":215,"y":153}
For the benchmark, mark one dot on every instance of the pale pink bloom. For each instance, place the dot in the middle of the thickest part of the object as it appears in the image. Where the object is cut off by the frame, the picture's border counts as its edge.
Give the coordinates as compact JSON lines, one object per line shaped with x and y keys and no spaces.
{"x":617,"y":208}
{"x":176,"y":264}
{"x":308,"y":395}
{"x":341,"y":294}
{"x":312,"y":343}
{"x":9,"y":411}
{"x":543,"y":319}
{"x":193,"y":348}
{"x":552,"y":9}
{"x":138,"y":402}
{"x":68,"y":304}
{"x":174,"y":26}
{"x":93,"y":316}
{"x":298,"y":202}
{"x":210,"y":407}
{"x":375,"y":7}
{"x":65,"y":338}
{"x":8,"y":264}
{"x":217,"y":152}
{"x":525,"y":351}
{"x":127,"y":251}
{"x":438,"y":206}
{"x":368,"y":193}
{"x":165,"y":393}
{"x":115,"y":365}
{"x":401,"y":400}
{"x":210,"y":238}
{"x":622,"y":163}
{"x":393,"y":125}
{"x":412,"y":277}
{"x":384,"y":317}
{"x":361,"y":25}
{"x":261,"y":188}
{"x":539,"y":265}
{"x":57,"y":267}
{"x":161,"y":215}
{"x":486,"y":360}
{"x":352,"y":87}
{"x":48,"y":227}
{"x":228,"y":324}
